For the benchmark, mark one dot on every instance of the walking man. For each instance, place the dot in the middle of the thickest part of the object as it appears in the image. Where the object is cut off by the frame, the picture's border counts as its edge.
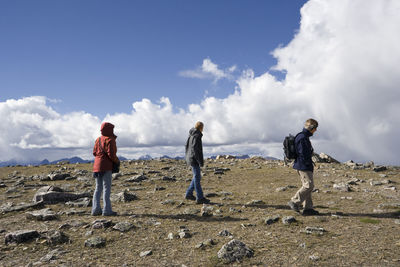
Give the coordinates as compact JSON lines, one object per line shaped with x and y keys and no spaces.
{"x":194,"y":158}
{"x":305,"y":168}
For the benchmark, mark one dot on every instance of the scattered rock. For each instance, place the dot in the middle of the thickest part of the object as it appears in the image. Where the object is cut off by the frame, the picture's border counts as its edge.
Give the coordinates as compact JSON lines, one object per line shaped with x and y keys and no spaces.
{"x":21,"y":236}
{"x":42,"y":215}
{"x":58,"y":176}
{"x":314,"y":230}
{"x":82,"y":202}
{"x":52,"y":255}
{"x":314,"y":257}
{"x":234,"y":251}
{"x":123,"y":226}
{"x":206,"y":243}
{"x":55,"y":237}
{"x":146,"y":253}
{"x":184,"y":232}
{"x":159,"y":188}
{"x":288,"y":220}
{"x":375,"y":183}
{"x":95,"y":242}
{"x":102,"y":223}
{"x":171,"y":236}
{"x":255,"y":202}
{"x":206,"y":211}
{"x":168,"y":202}
{"x":9,"y":207}
{"x":137,"y":179}
{"x":379,"y":168}
{"x":342,"y":187}
{"x":124,"y":196}
{"x":271,"y":220}
{"x":169,"y":179}
{"x":225,"y":233}
{"x":53,"y":195}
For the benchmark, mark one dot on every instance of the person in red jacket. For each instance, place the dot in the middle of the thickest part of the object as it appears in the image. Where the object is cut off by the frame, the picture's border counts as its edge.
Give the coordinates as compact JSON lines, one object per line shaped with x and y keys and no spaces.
{"x":105,"y":153}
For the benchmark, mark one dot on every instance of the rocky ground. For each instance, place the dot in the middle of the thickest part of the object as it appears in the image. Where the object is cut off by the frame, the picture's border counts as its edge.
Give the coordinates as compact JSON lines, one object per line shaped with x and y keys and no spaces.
{"x":45,"y":216}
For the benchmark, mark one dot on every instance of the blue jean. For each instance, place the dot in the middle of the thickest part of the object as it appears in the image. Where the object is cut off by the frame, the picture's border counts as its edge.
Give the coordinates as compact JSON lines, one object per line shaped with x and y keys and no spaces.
{"x":195,"y":184}
{"x":102,"y":181}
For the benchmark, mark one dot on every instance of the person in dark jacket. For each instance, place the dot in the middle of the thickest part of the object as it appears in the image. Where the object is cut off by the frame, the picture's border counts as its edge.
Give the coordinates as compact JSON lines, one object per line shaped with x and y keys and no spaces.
{"x":305,"y":168}
{"x":194,"y":158}
{"x":105,"y":152}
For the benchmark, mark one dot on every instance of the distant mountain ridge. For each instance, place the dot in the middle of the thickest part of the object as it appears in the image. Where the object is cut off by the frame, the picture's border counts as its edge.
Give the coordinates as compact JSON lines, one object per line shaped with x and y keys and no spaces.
{"x":74,"y":160}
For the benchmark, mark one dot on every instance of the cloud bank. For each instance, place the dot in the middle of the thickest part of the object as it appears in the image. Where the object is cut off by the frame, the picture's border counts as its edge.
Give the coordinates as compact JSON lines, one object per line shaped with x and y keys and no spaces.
{"x":341,"y":69}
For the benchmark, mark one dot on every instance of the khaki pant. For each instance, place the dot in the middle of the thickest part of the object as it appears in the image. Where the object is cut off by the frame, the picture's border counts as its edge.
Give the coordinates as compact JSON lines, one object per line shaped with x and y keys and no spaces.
{"x":304,"y":193}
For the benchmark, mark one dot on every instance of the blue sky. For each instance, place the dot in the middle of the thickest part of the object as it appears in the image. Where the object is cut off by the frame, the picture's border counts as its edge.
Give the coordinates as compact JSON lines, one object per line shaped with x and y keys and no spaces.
{"x":100,"y":56}
{"x":253,"y":71}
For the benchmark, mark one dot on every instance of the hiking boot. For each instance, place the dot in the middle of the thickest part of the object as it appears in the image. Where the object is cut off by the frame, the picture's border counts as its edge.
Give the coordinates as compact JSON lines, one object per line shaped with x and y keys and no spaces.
{"x":190,"y":197}
{"x":293,"y":206}
{"x":310,"y":212}
{"x":203,"y":201}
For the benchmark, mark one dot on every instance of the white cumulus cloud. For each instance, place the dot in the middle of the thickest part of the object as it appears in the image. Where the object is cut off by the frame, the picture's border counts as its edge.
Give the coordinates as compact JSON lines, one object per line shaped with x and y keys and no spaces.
{"x":341,"y":69}
{"x":209,"y":70}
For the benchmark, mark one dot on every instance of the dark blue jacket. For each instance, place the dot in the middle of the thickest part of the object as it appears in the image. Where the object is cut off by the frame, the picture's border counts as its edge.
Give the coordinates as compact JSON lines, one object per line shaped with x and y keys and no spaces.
{"x":304,"y":152}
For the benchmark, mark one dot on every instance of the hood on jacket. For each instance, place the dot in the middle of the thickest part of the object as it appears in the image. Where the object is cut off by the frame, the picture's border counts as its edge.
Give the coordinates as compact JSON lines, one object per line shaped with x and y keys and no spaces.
{"x":107,"y":129}
{"x":195,"y":131}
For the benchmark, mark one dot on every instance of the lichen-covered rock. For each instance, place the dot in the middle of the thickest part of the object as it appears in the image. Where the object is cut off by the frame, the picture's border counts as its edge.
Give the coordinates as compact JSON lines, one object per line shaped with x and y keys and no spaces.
{"x":55,"y":237}
{"x":234,"y":251}
{"x":42,"y":215}
{"x":123,"y":226}
{"x":95,"y":242}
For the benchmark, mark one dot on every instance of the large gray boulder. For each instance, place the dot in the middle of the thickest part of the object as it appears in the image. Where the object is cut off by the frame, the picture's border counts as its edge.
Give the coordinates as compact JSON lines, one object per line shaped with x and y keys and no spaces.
{"x":54,"y":195}
{"x":21,"y":236}
{"x":234,"y":251}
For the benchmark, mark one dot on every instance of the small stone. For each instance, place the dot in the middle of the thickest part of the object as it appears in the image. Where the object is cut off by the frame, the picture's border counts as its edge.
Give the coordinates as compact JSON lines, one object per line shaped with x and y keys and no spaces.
{"x":314,"y":230}
{"x":379,"y":168}
{"x":146,"y":253}
{"x":234,"y":251}
{"x":397,"y":221}
{"x":102,"y":223}
{"x":82,"y":202}
{"x":271,"y":220}
{"x":224,"y":233}
{"x":288,"y":220}
{"x":170,"y":236}
{"x":206,"y":211}
{"x":52,"y":255}
{"x":56,"y":237}
{"x":168,"y":179}
{"x":123,"y":226}
{"x":168,"y":202}
{"x":95,"y":242}
{"x":136,"y":179}
{"x":375,"y":183}
{"x":314,"y":257}
{"x":255,"y":202}
{"x":206,"y":243}
{"x":342,"y":187}
{"x":124,"y":196}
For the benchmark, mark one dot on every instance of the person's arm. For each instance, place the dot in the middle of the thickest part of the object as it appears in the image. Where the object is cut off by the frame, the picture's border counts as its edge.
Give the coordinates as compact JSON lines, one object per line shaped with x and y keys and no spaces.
{"x":95,"y":147}
{"x":198,"y":151}
{"x":112,"y":150}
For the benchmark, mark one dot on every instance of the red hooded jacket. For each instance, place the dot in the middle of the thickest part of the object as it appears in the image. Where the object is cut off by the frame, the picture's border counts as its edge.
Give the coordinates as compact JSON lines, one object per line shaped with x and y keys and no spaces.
{"x":103,"y":162}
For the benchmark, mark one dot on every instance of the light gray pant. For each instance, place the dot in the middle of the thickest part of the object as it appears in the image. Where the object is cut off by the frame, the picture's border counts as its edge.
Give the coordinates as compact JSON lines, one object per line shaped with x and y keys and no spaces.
{"x":103,"y":181}
{"x":304,"y":193}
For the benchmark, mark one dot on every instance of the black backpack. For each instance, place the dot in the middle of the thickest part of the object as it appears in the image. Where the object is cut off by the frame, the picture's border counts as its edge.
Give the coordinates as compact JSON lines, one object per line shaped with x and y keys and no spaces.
{"x":289,"y":147}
